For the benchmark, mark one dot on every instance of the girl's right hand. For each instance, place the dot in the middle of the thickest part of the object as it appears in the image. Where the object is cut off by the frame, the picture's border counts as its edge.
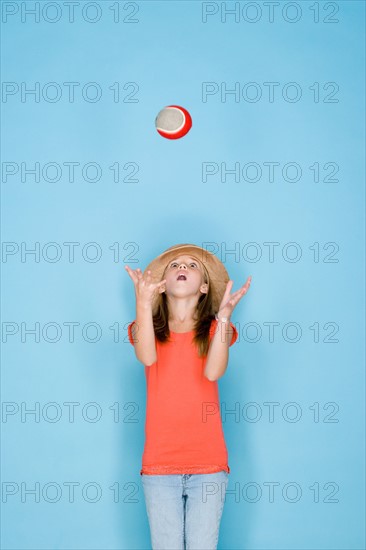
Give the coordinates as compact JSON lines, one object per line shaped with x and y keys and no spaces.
{"x":145,"y":289}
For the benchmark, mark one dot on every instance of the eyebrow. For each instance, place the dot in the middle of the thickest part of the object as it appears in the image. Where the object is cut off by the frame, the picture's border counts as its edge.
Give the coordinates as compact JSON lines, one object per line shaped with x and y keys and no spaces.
{"x":192,"y":259}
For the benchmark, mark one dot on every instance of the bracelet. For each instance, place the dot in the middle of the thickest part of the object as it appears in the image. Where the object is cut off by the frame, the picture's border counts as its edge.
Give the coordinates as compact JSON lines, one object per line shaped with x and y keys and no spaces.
{"x":222,"y":320}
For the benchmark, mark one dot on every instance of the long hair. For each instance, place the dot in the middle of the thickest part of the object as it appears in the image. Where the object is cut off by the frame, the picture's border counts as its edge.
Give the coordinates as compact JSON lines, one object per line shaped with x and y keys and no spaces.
{"x":205,"y":315}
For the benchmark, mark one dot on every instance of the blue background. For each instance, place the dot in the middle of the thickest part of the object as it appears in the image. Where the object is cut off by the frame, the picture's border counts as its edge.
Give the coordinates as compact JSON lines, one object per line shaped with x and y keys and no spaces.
{"x":169,"y":52}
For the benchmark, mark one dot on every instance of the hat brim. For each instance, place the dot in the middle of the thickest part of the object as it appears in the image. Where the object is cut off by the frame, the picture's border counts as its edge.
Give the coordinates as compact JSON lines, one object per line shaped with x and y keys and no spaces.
{"x":219,"y":277}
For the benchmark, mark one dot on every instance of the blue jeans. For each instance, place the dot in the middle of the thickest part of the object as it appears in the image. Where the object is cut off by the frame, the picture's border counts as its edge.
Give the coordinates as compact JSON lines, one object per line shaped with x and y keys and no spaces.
{"x":184,"y":510}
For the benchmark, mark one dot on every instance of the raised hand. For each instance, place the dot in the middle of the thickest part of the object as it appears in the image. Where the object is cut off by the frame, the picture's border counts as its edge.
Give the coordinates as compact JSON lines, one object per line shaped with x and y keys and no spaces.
{"x":145,"y":289}
{"x":229,"y":301}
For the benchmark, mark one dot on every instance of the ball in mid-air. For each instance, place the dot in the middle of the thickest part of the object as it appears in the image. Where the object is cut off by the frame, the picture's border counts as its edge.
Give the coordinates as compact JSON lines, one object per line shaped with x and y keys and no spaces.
{"x":173,"y":122}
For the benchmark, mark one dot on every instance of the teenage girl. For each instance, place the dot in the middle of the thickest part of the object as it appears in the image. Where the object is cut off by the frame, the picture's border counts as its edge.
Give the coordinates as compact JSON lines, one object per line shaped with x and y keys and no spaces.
{"x":181,"y":334}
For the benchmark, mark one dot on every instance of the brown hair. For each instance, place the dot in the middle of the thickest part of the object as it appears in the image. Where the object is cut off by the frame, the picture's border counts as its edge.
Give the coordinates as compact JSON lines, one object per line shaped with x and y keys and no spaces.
{"x":205,"y":313}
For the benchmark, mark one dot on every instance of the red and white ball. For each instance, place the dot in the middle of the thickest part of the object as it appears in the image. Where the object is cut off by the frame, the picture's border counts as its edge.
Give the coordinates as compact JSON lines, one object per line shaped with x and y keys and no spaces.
{"x":173,"y":122}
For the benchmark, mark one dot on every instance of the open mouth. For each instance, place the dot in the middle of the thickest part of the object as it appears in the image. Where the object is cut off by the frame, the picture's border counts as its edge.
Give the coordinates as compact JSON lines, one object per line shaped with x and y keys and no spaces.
{"x":181,"y":278}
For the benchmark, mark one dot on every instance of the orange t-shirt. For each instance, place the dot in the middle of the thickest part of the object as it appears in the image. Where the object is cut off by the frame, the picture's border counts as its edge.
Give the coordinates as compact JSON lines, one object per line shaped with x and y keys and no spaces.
{"x":183,"y":429}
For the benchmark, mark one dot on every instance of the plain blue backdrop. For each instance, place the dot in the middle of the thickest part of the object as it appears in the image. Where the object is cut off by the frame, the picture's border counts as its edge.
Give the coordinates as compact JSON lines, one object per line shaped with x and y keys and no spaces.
{"x":297,"y":476}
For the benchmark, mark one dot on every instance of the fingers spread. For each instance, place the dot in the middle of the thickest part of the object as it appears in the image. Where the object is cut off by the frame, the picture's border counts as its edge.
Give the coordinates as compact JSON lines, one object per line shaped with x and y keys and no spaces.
{"x":228,"y":288}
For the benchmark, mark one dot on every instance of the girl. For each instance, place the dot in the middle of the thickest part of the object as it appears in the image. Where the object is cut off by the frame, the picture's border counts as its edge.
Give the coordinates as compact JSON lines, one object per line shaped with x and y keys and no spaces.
{"x":181,"y":335}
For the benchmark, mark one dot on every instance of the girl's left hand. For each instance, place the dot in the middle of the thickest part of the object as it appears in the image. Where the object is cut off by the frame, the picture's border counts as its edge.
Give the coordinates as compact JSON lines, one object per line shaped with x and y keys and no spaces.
{"x":229,"y":301}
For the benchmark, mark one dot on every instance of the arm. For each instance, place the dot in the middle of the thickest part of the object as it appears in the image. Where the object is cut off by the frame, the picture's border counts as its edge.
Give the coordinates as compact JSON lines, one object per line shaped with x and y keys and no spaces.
{"x":144,"y":335}
{"x":218,"y":353}
{"x":142,"y":329}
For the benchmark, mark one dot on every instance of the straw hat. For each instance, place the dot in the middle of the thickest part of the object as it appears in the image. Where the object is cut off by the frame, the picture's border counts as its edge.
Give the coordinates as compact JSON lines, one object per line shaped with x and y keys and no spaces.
{"x":219,"y":277}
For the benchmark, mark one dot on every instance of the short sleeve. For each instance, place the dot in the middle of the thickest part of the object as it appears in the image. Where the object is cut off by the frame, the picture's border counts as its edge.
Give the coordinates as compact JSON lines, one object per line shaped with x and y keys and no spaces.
{"x":213,"y":329}
{"x":129,"y":331}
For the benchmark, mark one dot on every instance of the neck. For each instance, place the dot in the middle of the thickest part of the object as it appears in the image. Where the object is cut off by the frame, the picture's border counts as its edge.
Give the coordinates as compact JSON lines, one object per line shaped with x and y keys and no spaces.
{"x":182,"y":311}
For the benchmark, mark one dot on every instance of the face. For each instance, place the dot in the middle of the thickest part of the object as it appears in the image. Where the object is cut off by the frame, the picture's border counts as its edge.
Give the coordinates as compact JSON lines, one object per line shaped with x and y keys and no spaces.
{"x":185,"y":275}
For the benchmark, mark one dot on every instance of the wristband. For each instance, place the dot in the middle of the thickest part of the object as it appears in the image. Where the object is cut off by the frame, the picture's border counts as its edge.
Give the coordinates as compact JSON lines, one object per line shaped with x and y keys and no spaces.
{"x":222,"y":320}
